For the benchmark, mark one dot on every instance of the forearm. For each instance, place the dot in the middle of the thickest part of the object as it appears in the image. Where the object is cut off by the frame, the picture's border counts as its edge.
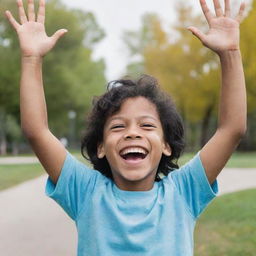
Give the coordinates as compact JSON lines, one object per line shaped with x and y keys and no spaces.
{"x":232,"y":108}
{"x":32,"y":100}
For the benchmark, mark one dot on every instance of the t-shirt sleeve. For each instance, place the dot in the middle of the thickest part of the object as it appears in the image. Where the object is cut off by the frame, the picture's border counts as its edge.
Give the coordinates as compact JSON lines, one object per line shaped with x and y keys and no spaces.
{"x":192,"y":183}
{"x":74,"y":186}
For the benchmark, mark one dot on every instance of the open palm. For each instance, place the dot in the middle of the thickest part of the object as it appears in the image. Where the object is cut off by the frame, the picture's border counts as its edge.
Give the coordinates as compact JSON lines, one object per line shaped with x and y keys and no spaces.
{"x":223,"y":31}
{"x":31,"y":32}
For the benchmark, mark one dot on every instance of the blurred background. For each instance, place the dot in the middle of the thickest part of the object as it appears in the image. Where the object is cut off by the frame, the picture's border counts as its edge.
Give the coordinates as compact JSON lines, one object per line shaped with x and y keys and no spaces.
{"x":114,"y":38}
{"x":111,"y":39}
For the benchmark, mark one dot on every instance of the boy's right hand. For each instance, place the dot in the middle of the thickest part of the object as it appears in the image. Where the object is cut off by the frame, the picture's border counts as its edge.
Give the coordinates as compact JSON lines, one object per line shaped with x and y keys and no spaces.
{"x":34,"y":44}
{"x":34,"y":41}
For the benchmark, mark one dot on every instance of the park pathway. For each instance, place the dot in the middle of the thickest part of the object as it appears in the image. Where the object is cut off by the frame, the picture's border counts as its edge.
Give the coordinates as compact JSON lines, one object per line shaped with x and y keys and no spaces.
{"x":18,"y":160}
{"x":33,"y":225}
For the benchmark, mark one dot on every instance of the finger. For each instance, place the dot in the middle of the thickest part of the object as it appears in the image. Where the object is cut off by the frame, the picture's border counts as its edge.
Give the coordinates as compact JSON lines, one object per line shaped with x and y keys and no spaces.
{"x":23,"y":17}
{"x":31,"y":10}
{"x":200,"y":35}
{"x":227,"y":8}
{"x":218,"y":9}
{"x":58,"y":34}
{"x":240,"y":14}
{"x":41,"y":12}
{"x":13,"y":22}
{"x":207,"y":13}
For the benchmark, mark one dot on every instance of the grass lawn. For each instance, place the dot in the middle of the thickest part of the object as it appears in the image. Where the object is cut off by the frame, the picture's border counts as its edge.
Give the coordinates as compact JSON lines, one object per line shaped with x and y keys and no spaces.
{"x":228,"y":226}
{"x":11,"y":175}
{"x":238,"y":160}
{"x":242,"y":160}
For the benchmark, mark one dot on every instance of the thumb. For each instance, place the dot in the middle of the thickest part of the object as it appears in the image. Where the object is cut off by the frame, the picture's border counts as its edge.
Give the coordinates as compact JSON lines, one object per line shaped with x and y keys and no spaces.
{"x":195,"y":31}
{"x":58,"y":34}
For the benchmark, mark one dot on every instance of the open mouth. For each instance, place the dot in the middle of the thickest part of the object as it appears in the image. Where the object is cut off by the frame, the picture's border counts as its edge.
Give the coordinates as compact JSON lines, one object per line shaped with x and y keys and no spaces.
{"x":133,"y":153}
{"x":134,"y":156}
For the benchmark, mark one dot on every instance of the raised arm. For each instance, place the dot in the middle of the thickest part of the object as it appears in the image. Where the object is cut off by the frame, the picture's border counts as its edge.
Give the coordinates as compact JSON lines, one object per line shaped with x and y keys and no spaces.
{"x":223,"y":38}
{"x":35,"y":44}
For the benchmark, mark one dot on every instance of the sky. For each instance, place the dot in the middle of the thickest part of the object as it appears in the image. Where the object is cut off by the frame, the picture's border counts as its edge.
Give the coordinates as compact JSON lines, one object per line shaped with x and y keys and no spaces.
{"x":115,"y":16}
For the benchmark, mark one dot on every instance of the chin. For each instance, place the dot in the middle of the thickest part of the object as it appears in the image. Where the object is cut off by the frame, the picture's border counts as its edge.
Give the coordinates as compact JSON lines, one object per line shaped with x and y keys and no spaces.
{"x":135,"y":176}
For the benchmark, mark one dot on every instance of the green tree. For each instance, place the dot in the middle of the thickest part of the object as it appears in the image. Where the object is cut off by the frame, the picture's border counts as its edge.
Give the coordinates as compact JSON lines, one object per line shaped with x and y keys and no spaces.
{"x":183,"y":67}
{"x":248,"y":42}
{"x":71,"y":77}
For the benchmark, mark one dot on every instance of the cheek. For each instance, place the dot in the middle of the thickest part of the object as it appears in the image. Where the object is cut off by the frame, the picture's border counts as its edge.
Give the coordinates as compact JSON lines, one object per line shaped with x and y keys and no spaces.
{"x":110,"y":144}
{"x":157,"y":138}
{"x":158,"y":144}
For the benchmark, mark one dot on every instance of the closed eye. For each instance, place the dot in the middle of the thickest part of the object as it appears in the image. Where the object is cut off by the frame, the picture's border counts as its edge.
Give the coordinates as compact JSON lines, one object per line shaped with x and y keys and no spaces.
{"x":118,"y":126}
{"x":148,"y":125}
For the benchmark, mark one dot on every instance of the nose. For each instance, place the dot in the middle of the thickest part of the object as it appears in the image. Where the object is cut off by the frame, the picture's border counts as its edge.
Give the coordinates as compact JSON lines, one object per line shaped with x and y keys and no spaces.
{"x":132,"y":133}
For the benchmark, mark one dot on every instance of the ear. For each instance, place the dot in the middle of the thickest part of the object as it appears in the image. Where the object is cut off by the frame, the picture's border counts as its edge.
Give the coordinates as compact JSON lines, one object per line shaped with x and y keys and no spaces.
{"x":100,"y":151}
{"x":167,"y":149}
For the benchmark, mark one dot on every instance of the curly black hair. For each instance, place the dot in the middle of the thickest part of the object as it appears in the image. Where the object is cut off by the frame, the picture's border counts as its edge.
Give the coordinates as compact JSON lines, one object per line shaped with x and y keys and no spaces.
{"x":110,"y":102}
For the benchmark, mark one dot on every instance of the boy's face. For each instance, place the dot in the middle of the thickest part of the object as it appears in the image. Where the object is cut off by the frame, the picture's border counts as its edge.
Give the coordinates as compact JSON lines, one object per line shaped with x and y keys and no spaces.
{"x":133,"y":143}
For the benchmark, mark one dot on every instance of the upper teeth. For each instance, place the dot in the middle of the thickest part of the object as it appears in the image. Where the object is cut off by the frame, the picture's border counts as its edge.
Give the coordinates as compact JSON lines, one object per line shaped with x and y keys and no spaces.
{"x":133,"y":150}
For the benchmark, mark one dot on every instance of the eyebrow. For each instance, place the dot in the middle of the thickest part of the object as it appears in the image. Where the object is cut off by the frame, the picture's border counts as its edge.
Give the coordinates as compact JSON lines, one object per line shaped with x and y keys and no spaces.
{"x":123,"y":118}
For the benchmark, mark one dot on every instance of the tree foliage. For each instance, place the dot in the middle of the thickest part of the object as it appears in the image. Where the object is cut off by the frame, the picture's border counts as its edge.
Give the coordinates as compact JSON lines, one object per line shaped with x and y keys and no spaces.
{"x":248,"y":42}
{"x":183,"y":67}
{"x":188,"y":71}
{"x":71,"y":77}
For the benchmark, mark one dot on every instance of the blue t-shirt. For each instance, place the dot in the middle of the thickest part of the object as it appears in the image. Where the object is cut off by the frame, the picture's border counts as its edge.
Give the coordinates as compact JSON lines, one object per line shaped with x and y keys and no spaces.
{"x":114,"y":222}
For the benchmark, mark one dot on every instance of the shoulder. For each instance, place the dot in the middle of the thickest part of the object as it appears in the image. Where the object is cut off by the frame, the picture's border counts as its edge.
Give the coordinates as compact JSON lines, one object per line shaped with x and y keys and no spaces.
{"x":73,"y":164}
{"x":193,"y":167}
{"x":192,"y":176}
{"x":191,"y":183}
{"x":76,"y":174}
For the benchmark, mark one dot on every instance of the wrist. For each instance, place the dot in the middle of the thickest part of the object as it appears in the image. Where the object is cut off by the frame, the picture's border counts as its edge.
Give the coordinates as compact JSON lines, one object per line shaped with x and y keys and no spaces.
{"x":32,"y":59}
{"x":230,"y":59}
{"x":229,"y":53}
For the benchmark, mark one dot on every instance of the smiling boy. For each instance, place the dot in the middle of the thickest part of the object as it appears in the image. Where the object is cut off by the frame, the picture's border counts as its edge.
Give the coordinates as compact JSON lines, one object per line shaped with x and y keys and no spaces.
{"x":135,"y":129}
{"x":134,"y":136}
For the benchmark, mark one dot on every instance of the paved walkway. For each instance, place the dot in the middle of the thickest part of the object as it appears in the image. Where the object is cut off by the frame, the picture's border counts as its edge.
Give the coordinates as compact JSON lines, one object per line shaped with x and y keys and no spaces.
{"x":18,"y":160}
{"x":33,"y":225}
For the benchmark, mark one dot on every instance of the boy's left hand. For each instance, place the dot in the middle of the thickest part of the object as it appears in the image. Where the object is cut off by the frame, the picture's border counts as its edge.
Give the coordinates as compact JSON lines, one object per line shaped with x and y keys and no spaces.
{"x":223,"y":34}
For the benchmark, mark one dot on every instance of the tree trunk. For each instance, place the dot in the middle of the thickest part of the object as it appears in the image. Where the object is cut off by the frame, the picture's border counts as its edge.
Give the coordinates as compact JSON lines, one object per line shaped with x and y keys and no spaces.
{"x":15,"y":148}
{"x":3,"y":142}
{"x":205,"y":125}
{"x":3,"y":146}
